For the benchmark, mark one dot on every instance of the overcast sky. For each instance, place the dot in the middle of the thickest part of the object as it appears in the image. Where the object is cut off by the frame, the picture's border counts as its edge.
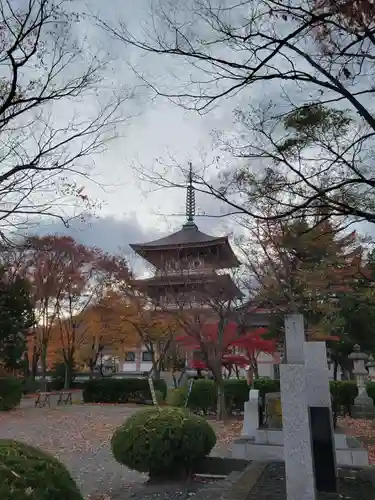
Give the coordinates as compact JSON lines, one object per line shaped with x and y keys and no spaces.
{"x":130,"y":213}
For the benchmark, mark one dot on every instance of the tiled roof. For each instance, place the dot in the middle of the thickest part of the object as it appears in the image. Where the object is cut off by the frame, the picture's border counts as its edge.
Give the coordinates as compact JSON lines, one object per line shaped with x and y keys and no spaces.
{"x":188,"y":235}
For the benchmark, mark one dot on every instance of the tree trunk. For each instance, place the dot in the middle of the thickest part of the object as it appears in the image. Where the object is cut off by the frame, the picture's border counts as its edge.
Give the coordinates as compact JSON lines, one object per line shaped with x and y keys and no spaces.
{"x":335,"y":368}
{"x":256,"y":371}
{"x":69,"y":363}
{"x":26,"y":366}
{"x":249,"y":377}
{"x":34,"y":363}
{"x":67,"y":376}
{"x":221,"y":411}
{"x":43,"y":360}
{"x":156,"y":371}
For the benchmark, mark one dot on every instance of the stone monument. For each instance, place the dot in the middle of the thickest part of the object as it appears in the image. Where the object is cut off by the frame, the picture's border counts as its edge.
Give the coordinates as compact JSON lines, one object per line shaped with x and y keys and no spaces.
{"x":363,"y":405}
{"x":371,"y":367}
{"x":298,"y":448}
{"x":309,"y":395}
{"x":251,"y":414}
{"x":273,"y":410}
{"x":321,"y":421}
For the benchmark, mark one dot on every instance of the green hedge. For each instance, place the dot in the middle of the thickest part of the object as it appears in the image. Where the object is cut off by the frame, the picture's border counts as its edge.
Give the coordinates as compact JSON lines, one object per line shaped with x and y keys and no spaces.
{"x":203,"y":396}
{"x":121,"y":390}
{"x":371,"y":390}
{"x":266,"y":385}
{"x":343,"y":393}
{"x":10,"y":393}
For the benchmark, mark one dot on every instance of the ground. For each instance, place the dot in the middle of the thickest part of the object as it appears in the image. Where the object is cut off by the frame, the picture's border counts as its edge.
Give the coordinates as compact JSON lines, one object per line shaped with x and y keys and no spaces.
{"x":363,"y":430}
{"x":79,"y":436}
{"x":271,"y":486}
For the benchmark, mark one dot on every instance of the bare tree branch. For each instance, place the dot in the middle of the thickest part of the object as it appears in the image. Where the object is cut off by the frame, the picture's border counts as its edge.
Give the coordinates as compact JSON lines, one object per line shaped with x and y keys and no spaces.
{"x":319,"y":53}
{"x":47,"y":78}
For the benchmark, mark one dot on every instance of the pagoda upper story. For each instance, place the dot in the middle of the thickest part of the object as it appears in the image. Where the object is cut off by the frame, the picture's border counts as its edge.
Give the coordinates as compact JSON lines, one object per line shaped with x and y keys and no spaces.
{"x":188,"y":257}
{"x":188,"y":249}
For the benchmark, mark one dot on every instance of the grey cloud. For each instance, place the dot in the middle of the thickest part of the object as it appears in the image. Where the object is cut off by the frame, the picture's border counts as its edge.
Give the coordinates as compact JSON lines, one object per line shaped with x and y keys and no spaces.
{"x":108,"y":233}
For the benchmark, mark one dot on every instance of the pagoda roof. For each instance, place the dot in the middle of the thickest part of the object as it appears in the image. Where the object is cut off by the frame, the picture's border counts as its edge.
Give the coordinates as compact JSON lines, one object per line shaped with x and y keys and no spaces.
{"x":188,"y":236}
{"x":224,"y":281}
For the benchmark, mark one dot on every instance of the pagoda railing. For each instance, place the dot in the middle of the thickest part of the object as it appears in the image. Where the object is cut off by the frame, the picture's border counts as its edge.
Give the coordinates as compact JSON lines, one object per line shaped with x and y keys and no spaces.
{"x":184,"y":305}
{"x":185,"y":272}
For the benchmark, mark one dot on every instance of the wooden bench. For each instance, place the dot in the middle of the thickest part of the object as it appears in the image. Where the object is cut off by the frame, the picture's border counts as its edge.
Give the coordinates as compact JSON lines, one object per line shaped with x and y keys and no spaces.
{"x":44,"y":398}
{"x":65,"y":398}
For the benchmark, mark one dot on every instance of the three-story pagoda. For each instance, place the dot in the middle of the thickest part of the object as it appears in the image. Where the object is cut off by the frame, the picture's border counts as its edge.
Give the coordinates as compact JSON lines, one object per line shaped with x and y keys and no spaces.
{"x":188,"y":264}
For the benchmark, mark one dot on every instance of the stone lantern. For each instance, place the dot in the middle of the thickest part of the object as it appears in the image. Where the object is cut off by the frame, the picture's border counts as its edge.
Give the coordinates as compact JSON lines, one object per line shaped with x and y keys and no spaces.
{"x":371,"y":367}
{"x":363,"y":404}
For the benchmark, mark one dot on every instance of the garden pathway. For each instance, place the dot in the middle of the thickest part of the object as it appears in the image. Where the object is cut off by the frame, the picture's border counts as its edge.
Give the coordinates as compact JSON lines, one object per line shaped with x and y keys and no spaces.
{"x":79,"y":436}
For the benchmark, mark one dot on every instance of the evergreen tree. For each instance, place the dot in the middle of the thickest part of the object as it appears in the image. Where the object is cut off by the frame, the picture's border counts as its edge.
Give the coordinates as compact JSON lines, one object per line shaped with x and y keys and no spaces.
{"x":16,"y":318}
{"x":305,"y":266}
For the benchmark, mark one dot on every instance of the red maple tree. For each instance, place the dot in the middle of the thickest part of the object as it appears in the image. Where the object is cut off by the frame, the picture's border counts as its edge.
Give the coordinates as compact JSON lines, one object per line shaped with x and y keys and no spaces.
{"x":236,"y":351}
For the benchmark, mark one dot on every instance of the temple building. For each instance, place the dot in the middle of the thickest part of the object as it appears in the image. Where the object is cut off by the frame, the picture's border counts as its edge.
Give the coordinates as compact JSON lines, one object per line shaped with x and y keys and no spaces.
{"x":190,"y":274}
{"x":188,"y":265}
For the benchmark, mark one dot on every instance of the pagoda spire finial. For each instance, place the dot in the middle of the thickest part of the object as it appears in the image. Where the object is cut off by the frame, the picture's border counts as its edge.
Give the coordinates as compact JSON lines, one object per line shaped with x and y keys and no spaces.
{"x":190,"y":197}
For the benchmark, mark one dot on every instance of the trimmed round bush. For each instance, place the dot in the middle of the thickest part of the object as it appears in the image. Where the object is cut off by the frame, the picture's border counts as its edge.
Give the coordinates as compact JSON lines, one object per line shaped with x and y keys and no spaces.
{"x":27,"y":473}
{"x":10,"y":393}
{"x":177,"y":397}
{"x":159,"y":397}
{"x":165,"y":442}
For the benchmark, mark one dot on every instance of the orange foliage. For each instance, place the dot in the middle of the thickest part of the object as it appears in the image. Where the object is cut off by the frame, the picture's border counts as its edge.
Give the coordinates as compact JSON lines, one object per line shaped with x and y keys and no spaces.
{"x":68,"y":281}
{"x":97,"y":329}
{"x":152,"y":328}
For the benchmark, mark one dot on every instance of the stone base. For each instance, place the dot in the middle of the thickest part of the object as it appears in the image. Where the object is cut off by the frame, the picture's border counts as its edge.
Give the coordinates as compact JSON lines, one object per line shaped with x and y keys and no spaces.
{"x":362,"y":411}
{"x":268,"y":446}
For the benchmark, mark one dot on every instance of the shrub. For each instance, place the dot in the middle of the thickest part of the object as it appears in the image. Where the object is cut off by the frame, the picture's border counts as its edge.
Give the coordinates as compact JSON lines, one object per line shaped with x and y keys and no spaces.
{"x":159,"y":397}
{"x":58,"y":376}
{"x":177,"y":397}
{"x":111,"y":390}
{"x":27,"y":473}
{"x":343,"y":393}
{"x":10,"y":393}
{"x":371,"y":390}
{"x":266,"y":385}
{"x":165,"y":442}
{"x":203,"y":396}
{"x":236,"y":393}
{"x":30,"y":386}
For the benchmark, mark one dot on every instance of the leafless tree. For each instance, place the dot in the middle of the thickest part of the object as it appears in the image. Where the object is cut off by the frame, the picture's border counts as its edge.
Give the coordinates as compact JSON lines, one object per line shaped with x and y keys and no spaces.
{"x":48,"y":76}
{"x":311,"y":58}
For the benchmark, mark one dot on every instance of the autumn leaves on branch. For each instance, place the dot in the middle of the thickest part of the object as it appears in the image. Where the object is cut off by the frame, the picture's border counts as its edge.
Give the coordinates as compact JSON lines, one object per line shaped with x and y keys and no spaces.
{"x":85,"y":305}
{"x":70,"y":287}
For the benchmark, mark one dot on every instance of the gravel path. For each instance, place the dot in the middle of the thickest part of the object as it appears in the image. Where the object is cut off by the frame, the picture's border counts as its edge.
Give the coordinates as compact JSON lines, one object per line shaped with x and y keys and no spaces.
{"x":79,"y":436}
